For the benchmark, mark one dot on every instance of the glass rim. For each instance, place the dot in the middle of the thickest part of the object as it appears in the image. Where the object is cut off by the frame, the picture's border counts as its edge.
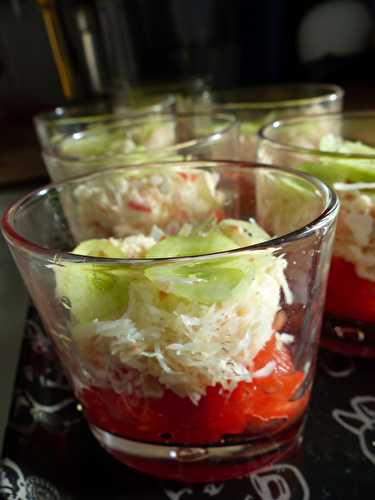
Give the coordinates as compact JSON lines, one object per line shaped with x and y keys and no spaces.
{"x":330,"y":92}
{"x":325,"y":216}
{"x":229,"y":122}
{"x":58,"y":115}
{"x":299,"y":120}
{"x":136,"y":84}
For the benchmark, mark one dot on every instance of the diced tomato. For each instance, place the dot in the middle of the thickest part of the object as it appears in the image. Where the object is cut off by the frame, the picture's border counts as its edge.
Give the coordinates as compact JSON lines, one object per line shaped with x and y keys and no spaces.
{"x":188,"y":176}
{"x":348,"y":295}
{"x":278,"y":354}
{"x":249,"y":408}
{"x":134,"y":205}
{"x":219,"y":215}
{"x":266,"y":354}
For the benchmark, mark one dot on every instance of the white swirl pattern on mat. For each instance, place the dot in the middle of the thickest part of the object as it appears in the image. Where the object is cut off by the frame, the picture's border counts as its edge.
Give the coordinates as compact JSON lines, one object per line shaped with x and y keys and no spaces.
{"x":276,"y":482}
{"x":361,"y":422}
{"x":15,"y":486}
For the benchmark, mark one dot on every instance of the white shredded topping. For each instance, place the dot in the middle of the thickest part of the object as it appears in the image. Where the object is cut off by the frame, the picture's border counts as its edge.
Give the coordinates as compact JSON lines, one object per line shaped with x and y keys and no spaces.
{"x":336,"y":144}
{"x":187,"y":346}
{"x":164,"y":337}
{"x":266,"y":370}
{"x":134,"y":246}
{"x":355,"y":233}
{"x":126,"y":206}
{"x":331,"y":143}
{"x":284,"y":338}
{"x":156,"y":233}
{"x":355,"y":186}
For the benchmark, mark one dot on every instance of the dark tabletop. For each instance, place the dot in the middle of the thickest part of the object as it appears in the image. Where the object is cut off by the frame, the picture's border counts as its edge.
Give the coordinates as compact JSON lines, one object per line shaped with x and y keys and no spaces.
{"x":49,"y":453}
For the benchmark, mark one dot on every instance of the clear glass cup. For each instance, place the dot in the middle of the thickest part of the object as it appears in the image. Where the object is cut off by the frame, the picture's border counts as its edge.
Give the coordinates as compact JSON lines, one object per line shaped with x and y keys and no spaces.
{"x":191,"y":351}
{"x":257,"y":106}
{"x":340,"y":149}
{"x":156,"y":137}
{"x":190,"y":94}
{"x":51,"y":126}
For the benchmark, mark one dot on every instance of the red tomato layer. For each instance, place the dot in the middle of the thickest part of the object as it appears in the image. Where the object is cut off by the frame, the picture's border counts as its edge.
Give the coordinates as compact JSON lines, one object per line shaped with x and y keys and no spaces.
{"x":348,"y":295}
{"x":250,"y":408}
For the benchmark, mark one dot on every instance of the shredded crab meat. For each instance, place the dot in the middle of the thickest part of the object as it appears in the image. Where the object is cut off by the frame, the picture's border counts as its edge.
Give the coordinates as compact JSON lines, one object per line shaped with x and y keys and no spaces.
{"x":164,"y":337}
{"x":266,"y":370}
{"x":355,"y":232}
{"x":131,"y":205}
{"x":134,"y":246}
{"x":187,"y":347}
{"x":284,"y":338}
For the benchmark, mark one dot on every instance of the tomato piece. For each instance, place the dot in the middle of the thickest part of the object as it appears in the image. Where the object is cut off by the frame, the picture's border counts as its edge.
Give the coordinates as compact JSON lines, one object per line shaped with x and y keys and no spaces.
{"x":219,"y":215}
{"x":279,"y":354}
{"x":188,"y":176}
{"x":139,"y":207}
{"x":250,"y":407}
{"x":265,"y":355}
{"x":348,"y":295}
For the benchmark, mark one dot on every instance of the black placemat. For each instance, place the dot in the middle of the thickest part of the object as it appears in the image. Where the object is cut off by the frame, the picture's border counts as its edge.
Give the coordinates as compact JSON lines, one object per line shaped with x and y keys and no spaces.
{"x":49,"y":453}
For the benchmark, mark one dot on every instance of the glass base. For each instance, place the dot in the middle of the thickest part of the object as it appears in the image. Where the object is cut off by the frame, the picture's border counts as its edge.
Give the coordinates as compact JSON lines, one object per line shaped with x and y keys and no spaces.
{"x":348,"y":337}
{"x":201,"y":464}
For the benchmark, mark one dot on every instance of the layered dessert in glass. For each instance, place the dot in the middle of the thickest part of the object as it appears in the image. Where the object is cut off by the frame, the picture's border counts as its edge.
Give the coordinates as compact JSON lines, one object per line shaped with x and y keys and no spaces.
{"x":153,"y":137}
{"x":189,"y":94}
{"x":254,"y":107}
{"x":339,"y":149}
{"x":189,"y":334}
{"x":52,"y":126}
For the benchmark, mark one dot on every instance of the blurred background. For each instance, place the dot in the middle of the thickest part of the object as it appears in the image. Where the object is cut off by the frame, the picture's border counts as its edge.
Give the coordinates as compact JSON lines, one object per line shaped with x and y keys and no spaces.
{"x":54,"y":52}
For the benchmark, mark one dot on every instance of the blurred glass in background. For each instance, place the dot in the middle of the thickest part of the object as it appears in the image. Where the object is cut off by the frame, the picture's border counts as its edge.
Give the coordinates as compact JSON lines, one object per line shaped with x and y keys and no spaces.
{"x":53,"y":52}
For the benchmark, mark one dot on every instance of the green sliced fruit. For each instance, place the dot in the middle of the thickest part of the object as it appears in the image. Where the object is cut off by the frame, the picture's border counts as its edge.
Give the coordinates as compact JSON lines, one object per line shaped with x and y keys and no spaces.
{"x":347,"y":171}
{"x":183,"y":246}
{"x":213,"y":281}
{"x":99,"y":248}
{"x":94,"y":291}
{"x":204,"y":283}
{"x":243,"y":233}
{"x":97,"y":142}
{"x":336,"y":144}
{"x":208,"y":282}
{"x":285,"y":189}
{"x":250,"y":128}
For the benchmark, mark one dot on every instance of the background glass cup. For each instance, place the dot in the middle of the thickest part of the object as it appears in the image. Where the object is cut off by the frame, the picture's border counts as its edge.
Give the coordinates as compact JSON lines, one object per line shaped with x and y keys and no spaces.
{"x":190,"y":94}
{"x":311,"y":144}
{"x":256,"y":106}
{"x":51,"y":126}
{"x":156,"y":137}
{"x":246,"y":319}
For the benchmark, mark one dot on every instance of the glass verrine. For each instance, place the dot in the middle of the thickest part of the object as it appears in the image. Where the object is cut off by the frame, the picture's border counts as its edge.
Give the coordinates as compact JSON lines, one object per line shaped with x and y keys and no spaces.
{"x":340,"y":149}
{"x":190,"y":94}
{"x":156,"y":137}
{"x":257,"y":106}
{"x":51,"y":126}
{"x":189,"y":333}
